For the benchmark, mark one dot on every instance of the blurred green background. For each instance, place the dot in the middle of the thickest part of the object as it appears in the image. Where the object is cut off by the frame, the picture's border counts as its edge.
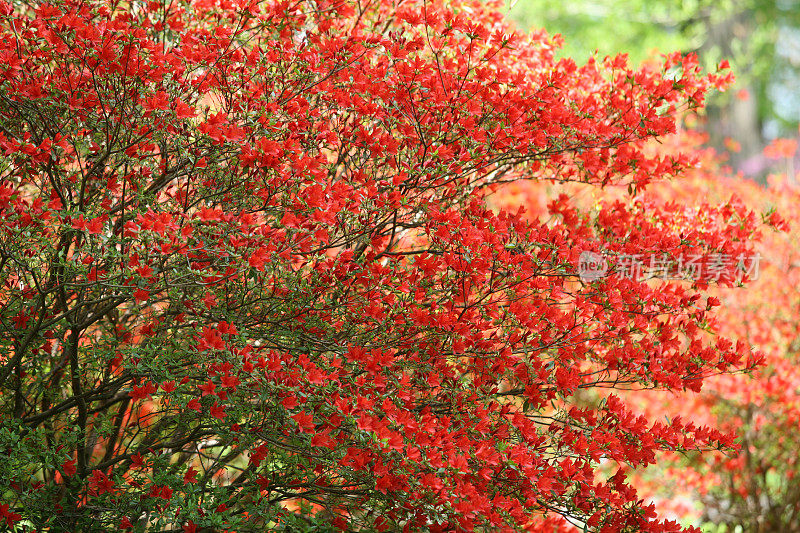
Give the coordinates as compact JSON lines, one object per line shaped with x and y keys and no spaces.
{"x":760,"y":38}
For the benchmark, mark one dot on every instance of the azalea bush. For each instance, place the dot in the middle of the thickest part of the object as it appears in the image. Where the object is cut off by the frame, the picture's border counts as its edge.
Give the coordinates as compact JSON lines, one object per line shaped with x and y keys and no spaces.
{"x":250,"y":279}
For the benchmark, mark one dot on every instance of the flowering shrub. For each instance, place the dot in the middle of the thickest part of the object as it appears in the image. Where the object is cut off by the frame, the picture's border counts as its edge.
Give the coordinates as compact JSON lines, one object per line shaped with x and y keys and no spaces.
{"x":250,"y":280}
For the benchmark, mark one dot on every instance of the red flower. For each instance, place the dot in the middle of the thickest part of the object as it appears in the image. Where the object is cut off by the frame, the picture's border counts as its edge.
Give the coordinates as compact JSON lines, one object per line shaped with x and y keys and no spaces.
{"x":10,"y":516}
{"x":217,"y":411}
{"x":182,"y":110}
{"x":100,"y":483}
{"x":305,"y":421}
{"x":68,"y":467}
{"x":190,"y":476}
{"x":143,"y":391}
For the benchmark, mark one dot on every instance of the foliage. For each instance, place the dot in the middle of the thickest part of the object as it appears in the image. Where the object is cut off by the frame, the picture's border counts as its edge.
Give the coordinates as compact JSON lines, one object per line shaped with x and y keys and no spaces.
{"x":250,"y":279}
